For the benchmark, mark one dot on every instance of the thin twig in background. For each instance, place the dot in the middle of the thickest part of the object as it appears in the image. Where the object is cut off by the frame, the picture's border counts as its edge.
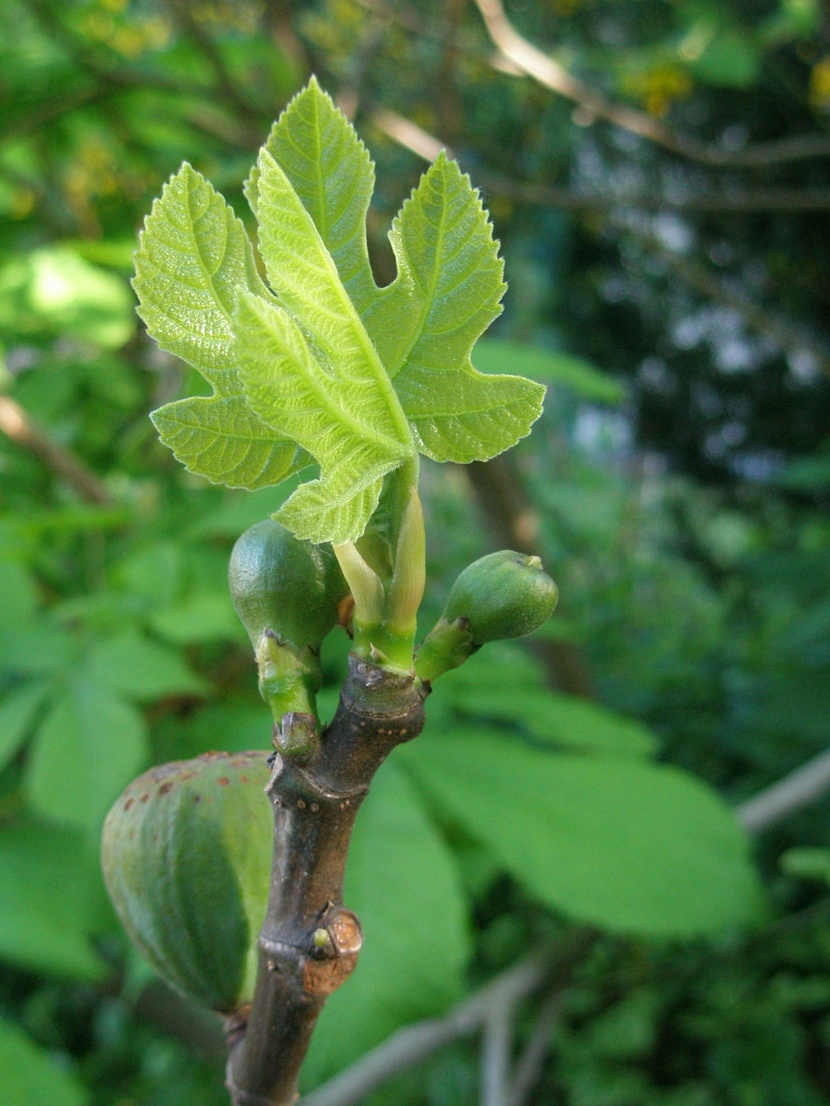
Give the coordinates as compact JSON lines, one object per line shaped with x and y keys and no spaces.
{"x":411,"y":1046}
{"x":786,"y":336}
{"x":496,"y":1047}
{"x":528,"y":1067}
{"x":20,"y":428}
{"x":427,"y":146}
{"x":801,"y":788}
{"x":594,"y":105}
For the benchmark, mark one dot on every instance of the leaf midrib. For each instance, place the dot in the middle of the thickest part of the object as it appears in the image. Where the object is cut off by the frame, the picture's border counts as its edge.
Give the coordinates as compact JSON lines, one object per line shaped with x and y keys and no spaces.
{"x":364,"y":343}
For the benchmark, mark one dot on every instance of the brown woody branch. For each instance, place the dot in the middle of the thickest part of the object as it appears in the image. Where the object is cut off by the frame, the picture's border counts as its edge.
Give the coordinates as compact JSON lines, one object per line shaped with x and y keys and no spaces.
{"x":309,"y":941}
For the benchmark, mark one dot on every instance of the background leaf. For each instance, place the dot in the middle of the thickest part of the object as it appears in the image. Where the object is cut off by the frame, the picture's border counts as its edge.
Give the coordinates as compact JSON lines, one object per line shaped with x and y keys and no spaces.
{"x":88,"y":748}
{"x":50,"y":894}
{"x":30,"y":1075}
{"x":628,"y":846}
{"x":18,"y":710}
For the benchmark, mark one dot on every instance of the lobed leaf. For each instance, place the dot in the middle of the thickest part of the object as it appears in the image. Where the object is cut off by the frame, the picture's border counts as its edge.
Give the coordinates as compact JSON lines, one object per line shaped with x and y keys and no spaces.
{"x":448,"y":291}
{"x":192,"y":258}
{"x":363,"y":378}
{"x":332,"y":397}
{"x":221,"y":438}
{"x":332,"y":173}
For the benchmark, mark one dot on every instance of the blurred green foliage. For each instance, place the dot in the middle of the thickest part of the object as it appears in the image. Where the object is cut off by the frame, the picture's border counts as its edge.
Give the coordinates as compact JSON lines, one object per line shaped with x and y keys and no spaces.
{"x":677,"y":490}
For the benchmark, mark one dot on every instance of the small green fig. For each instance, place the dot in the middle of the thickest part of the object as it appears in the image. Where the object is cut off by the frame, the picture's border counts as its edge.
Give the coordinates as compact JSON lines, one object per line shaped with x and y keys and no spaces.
{"x":502,"y":595}
{"x":289,"y":587}
{"x":186,"y":855}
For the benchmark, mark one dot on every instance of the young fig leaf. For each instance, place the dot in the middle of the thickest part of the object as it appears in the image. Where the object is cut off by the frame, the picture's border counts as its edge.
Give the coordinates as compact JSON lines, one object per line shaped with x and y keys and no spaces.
{"x":332,"y":173}
{"x":192,"y":259}
{"x":326,"y":365}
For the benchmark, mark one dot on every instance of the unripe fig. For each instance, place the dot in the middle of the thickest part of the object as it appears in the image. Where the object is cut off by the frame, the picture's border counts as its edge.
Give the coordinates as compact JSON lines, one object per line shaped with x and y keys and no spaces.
{"x":287,"y":586}
{"x":186,"y":856}
{"x":502,"y":595}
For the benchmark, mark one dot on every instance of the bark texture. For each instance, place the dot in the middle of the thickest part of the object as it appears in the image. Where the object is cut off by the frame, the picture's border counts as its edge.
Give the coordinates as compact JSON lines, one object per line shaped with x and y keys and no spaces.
{"x":309,"y":941}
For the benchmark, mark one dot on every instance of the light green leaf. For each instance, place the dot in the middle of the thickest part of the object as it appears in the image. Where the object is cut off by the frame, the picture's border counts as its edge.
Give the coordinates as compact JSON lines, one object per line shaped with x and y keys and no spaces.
{"x":18,"y":710}
{"x":221,"y":438}
{"x":333,"y":175}
{"x":54,"y":291}
{"x":342,"y":416}
{"x":631,"y":847}
{"x":193,"y":257}
{"x":447,"y":293}
{"x":50,"y":888}
{"x":465,"y":416}
{"x":30,"y":1075}
{"x":403,"y":884}
{"x":140,"y":669}
{"x":89,"y":747}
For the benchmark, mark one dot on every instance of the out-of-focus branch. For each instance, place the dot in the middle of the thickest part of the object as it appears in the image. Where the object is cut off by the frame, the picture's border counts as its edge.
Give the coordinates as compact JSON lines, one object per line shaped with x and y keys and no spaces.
{"x":193,"y":29}
{"x":801,"y":788}
{"x":529,"y":1065}
{"x":411,"y":1046}
{"x":427,"y":146}
{"x":496,"y":1042}
{"x":20,"y":428}
{"x":594,"y":105}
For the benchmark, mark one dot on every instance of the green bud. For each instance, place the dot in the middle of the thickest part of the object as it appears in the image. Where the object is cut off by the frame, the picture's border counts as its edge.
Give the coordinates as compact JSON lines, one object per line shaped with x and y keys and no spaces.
{"x":502,"y":595}
{"x":186,"y":854}
{"x":289,"y":587}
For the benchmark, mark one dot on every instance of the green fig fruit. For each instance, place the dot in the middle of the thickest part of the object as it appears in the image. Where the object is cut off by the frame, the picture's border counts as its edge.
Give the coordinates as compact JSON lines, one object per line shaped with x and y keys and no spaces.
{"x":289,"y":587}
{"x":186,"y":855}
{"x":502,"y":595}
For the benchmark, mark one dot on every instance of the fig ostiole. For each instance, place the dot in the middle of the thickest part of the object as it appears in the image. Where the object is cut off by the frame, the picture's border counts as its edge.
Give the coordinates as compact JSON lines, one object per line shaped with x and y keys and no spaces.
{"x":186,"y":855}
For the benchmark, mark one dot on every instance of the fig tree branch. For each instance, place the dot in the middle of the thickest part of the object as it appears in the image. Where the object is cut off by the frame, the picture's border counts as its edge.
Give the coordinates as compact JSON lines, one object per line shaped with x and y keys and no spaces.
{"x":309,"y":941}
